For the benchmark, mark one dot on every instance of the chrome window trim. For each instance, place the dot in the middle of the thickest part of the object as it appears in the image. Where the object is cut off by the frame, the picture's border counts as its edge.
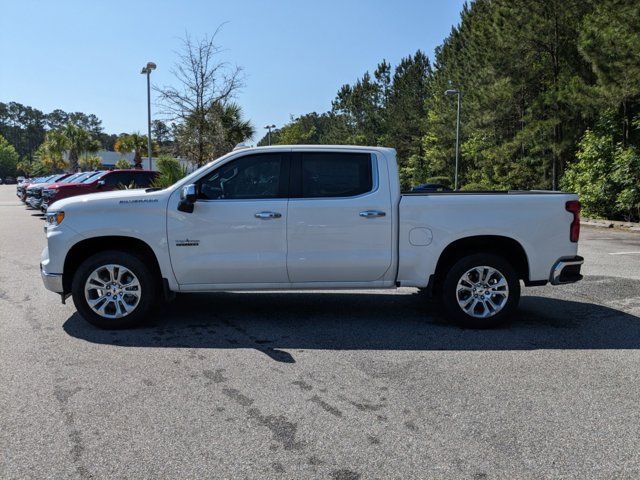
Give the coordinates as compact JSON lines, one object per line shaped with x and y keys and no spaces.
{"x":375,"y":181}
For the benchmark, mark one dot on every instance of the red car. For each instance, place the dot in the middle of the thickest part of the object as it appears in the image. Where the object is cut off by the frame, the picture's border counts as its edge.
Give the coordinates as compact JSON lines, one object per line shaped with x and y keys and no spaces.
{"x":102,"y":181}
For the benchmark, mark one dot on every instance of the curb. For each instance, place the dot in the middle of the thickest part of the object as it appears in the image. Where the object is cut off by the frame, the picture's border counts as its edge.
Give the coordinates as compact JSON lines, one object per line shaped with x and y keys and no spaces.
{"x":600,"y":223}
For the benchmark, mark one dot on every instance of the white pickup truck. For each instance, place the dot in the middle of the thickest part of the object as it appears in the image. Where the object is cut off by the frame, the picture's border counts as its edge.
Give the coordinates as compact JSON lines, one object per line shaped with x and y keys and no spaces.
{"x":306,"y":217}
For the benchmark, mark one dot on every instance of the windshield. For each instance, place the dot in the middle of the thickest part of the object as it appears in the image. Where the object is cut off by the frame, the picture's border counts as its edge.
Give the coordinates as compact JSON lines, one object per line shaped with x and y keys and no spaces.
{"x":70,"y":178}
{"x":93,"y":176}
{"x":79,"y":177}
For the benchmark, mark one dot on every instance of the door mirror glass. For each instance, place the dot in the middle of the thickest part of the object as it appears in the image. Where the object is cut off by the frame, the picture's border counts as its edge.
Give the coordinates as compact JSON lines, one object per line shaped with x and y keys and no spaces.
{"x":101,"y":183}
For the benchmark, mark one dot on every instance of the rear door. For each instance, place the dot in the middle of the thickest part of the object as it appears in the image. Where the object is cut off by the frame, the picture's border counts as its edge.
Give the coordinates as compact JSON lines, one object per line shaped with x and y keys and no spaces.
{"x":339,"y":225}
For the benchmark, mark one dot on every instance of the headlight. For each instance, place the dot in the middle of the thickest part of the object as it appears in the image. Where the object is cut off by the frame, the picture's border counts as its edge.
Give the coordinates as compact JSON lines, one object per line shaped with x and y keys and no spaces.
{"x":55,"y":218}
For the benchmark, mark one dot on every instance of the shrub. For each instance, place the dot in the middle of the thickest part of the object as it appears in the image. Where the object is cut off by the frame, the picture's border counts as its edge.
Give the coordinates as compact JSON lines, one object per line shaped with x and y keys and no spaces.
{"x":446,"y":181}
{"x":606,"y":176}
{"x":474,"y":186}
{"x":8,"y":158}
{"x":122,"y":164}
{"x":169,"y":171}
{"x":90,"y":162}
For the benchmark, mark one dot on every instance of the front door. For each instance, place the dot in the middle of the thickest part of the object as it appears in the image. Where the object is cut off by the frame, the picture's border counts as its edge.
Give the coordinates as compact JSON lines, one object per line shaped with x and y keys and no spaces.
{"x":237,"y":231}
{"x":339,"y":221}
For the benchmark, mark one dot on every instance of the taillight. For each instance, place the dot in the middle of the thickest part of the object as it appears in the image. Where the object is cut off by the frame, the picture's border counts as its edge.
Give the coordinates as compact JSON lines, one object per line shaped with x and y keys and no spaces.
{"x":573,"y":206}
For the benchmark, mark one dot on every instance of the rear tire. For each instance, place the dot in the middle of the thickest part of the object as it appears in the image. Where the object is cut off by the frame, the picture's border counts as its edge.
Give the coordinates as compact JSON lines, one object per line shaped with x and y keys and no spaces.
{"x":114,"y":289}
{"x":480,"y":291}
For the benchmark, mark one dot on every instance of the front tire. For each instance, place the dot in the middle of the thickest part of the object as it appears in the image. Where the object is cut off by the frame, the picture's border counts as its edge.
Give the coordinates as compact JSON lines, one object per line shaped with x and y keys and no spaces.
{"x":481,"y":291}
{"x":114,"y":289}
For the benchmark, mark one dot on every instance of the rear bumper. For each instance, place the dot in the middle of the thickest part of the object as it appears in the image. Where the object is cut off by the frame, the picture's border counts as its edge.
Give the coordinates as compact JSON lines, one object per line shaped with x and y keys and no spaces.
{"x":566,"y":270}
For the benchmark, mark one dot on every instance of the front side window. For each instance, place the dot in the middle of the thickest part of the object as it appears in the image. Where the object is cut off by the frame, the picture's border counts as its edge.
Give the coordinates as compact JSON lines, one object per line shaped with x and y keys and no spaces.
{"x":336,"y":174}
{"x":254,"y":176}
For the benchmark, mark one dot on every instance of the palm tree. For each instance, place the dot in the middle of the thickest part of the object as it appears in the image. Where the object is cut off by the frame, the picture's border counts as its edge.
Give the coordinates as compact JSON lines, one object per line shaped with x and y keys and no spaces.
{"x":79,"y":141}
{"x":90,"y":162}
{"x":51,"y":152}
{"x":236,"y":129}
{"x":222,"y":128}
{"x":132,"y":142}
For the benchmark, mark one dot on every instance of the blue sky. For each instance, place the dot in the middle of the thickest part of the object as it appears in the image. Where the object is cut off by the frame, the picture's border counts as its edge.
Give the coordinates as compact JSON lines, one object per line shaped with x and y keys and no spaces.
{"x":86,"y":55}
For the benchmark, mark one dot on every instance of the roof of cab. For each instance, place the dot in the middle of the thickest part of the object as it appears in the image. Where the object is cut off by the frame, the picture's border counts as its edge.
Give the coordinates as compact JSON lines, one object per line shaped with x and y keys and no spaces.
{"x":316,"y":147}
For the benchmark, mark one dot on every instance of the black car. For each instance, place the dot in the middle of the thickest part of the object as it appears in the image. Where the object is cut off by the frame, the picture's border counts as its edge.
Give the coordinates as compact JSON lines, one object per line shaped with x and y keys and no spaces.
{"x":430,"y":188}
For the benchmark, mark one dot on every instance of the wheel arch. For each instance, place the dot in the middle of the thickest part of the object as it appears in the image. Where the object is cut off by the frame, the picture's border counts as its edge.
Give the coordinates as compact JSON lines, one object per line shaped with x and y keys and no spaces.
{"x":506,"y":247}
{"x":85,"y":248}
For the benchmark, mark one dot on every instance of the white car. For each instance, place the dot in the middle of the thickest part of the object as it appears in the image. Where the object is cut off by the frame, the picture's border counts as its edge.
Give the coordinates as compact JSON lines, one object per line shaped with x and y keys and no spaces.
{"x":306,"y":217}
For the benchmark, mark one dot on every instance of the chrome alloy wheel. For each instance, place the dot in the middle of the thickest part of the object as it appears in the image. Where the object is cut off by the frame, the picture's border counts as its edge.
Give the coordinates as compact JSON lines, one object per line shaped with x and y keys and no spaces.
{"x":112,"y":291}
{"x":482,"y":292}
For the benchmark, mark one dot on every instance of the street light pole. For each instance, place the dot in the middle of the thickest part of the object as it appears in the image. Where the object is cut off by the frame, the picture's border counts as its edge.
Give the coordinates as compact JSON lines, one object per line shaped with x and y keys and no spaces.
{"x":269,"y":127}
{"x":147,"y":70}
{"x":456,"y":92}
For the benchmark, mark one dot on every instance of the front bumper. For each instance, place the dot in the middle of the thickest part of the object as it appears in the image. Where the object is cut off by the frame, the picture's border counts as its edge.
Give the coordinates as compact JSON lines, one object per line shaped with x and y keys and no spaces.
{"x":52,"y":281}
{"x":34,"y":202}
{"x":566,"y":270}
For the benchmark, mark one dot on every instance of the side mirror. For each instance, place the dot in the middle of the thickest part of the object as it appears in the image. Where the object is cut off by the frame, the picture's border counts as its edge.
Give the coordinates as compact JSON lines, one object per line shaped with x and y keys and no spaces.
{"x":188,"y":198}
{"x":101,"y":183}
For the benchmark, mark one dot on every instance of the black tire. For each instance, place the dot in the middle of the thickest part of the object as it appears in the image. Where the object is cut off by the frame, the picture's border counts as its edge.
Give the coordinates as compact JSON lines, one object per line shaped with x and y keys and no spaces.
{"x":450,"y":296}
{"x":148,"y":288}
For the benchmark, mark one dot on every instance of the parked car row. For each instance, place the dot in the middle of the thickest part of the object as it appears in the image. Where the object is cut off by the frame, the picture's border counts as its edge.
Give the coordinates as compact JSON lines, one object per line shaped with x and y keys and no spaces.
{"x":11,"y":180}
{"x":40,"y":192}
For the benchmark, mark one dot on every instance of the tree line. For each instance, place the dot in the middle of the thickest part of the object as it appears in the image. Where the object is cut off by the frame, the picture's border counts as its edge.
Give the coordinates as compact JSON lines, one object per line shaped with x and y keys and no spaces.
{"x":25,"y":127}
{"x":550,"y":99}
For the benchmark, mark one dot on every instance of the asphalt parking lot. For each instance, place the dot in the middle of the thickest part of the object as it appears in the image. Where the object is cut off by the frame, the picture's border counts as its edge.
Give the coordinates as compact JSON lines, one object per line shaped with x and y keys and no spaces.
{"x":321,"y":385}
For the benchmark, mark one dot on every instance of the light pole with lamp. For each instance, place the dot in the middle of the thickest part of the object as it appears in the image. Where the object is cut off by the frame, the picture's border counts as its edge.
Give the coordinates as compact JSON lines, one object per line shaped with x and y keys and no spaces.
{"x":456,"y":92}
{"x":269,"y":127}
{"x":147,"y":70}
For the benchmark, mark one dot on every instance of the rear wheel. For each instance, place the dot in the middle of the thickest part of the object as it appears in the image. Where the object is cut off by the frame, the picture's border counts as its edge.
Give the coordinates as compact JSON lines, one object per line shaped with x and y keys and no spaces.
{"x":481,"y":291}
{"x":114,"y":289}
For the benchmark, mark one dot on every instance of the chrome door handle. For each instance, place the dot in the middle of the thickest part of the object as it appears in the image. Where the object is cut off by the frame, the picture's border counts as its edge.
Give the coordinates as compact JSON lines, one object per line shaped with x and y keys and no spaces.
{"x":267,"y":215}
{"x":372,"y":213}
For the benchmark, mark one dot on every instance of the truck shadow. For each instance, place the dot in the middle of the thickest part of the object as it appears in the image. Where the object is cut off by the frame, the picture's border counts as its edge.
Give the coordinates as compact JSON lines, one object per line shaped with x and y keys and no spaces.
{"x":275,"y":322}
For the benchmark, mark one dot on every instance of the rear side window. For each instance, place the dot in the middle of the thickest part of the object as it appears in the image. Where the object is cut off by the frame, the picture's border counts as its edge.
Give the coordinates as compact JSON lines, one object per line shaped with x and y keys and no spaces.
{"x":143,"y":179}
{"x":336,"y":174}
{"x":118,"y":178}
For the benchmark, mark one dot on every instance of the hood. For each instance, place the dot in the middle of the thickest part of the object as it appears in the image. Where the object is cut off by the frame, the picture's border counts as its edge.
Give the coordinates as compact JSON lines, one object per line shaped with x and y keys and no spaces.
{"x":64,"y":185}
{"x":33,"y":186}
{"x":57,"y":185}
{"x":115,"y":198}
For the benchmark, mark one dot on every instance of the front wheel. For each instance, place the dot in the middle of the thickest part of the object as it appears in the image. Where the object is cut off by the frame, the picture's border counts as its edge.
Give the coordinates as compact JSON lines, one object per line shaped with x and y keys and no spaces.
{"x":481,"y":291}
{"x":114,"y":289}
